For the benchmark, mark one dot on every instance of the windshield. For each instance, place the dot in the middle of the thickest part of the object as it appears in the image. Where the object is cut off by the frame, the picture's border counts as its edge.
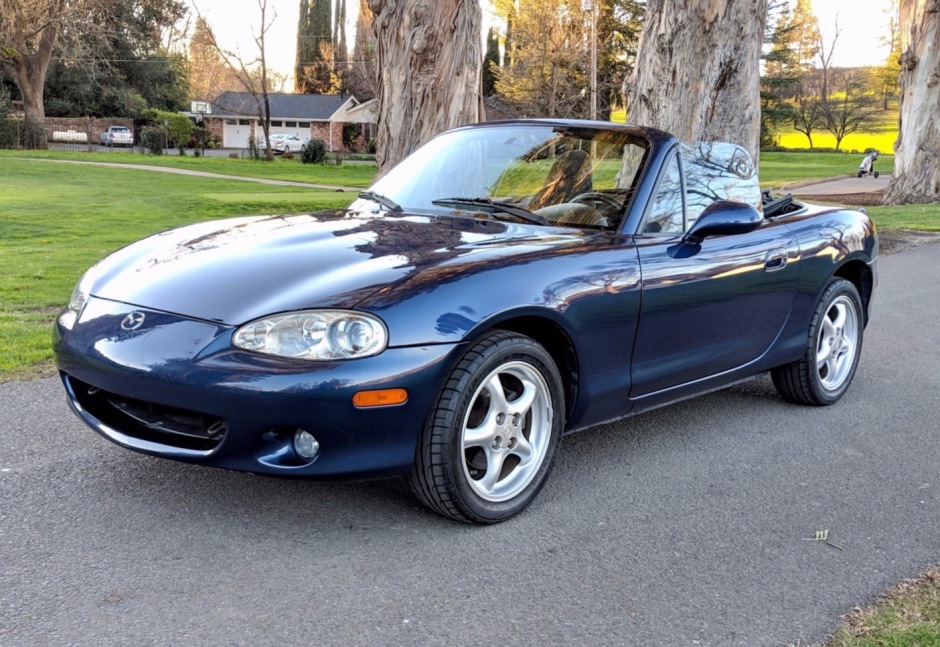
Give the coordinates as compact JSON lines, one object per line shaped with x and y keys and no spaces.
{"x":564,"y":176}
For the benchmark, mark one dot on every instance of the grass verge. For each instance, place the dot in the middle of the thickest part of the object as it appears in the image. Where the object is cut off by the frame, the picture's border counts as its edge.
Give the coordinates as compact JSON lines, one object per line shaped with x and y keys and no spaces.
{"x":907,"y":616}
{"x":922,"y":217}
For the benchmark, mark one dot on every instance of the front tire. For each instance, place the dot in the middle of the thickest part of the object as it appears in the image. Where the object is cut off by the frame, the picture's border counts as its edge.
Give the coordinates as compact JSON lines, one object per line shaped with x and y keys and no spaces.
{"x":490,"y":442}
{"x":834,"y":345}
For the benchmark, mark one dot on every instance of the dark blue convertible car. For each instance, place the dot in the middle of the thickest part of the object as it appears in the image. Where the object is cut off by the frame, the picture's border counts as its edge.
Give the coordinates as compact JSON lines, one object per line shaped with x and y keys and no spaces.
{"x":505,"y":285}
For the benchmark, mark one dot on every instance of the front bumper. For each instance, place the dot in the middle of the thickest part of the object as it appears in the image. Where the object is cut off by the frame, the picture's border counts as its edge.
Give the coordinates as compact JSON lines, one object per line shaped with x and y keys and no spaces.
{"x":176,"y":388}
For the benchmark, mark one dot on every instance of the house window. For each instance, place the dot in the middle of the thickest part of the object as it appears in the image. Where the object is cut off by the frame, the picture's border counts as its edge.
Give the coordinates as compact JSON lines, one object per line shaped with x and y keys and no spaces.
{"x":290,"y":124}
{"x":230,"y":122}
{"x":303,"y":124}
{"x":276,"y":124}
{"x":244,"y":122}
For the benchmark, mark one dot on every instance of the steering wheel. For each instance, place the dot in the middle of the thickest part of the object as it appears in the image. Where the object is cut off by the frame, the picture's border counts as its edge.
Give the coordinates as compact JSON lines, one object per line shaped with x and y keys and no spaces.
{"x":606,"y":204}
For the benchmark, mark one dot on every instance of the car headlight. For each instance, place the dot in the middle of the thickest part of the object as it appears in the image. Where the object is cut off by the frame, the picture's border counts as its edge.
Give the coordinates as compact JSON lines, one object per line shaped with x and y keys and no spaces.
{"x":80,"y":294}
{"x":314,"y":335}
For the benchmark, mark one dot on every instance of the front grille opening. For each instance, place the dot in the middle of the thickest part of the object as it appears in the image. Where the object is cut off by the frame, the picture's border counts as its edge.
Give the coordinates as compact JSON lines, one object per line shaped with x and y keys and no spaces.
{"x":148,"y":421}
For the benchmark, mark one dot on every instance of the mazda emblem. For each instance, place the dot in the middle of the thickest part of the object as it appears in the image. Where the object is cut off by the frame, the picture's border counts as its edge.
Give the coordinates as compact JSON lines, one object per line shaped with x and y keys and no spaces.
{"x":133,"y":321}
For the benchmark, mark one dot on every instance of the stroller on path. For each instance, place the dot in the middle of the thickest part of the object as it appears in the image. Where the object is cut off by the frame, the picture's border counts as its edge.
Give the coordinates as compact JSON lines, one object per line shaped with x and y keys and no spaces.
{"x":867,"y":167}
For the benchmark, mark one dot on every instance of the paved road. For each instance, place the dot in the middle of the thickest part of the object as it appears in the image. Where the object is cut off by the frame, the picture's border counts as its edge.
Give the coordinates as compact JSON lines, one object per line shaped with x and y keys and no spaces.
{"x":679,"y":527}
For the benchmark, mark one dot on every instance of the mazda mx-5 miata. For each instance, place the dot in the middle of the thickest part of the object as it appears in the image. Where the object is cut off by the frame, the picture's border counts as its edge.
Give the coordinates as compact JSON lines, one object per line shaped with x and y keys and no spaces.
{"x":506,"y":284}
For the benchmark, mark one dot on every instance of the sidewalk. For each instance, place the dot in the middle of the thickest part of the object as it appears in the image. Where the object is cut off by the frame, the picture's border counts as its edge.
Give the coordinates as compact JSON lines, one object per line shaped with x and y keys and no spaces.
{"x":844,"y":185}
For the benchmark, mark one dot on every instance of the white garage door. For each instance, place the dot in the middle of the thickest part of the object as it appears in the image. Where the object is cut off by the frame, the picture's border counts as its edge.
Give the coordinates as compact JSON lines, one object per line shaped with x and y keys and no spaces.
{"x":291,"y":127}
{"x":235,"y":133}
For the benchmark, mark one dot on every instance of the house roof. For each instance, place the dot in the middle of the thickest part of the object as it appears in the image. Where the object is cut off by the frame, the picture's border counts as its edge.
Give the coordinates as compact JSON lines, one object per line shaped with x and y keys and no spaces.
{"x":312,"y":107}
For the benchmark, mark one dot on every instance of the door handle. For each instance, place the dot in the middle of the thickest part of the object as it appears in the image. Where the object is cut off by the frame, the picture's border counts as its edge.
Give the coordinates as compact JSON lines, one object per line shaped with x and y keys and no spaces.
{"x":775,"y":260}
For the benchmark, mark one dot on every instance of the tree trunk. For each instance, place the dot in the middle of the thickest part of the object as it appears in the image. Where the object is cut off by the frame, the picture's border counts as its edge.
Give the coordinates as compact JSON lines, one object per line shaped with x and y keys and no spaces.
{"x":26,"y":54}
{"x":31,"y":86}
{"x":430,"y":62}
{"x":697,"y":70}
{"x":917,"y":151}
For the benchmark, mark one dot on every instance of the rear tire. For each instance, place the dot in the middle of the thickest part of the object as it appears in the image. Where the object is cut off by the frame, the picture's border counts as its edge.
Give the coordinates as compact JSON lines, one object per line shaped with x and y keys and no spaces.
{"x":834,"y":344}
{"x":489,"y":443}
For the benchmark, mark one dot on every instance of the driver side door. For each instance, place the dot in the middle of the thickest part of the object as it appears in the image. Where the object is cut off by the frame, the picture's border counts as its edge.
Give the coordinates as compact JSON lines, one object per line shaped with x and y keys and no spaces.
{"x":708,"y":307}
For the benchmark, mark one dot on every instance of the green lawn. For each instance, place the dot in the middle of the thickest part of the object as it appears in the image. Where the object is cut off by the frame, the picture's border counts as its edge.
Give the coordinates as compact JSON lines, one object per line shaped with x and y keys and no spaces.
{"x":778,"y":169}
{"x":56,"y":220}
{"x":351,"y":174}
{"x":924,"y":217}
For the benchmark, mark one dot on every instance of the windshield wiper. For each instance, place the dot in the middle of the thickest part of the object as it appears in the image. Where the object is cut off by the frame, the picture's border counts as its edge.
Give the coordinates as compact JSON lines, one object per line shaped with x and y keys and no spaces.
{"x":494,"y":207}
{"x":386,"y":202}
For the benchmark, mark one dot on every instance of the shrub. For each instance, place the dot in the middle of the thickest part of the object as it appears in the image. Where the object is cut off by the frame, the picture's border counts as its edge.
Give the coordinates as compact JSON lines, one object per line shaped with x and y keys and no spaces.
{"x":197,"y":137}
{"x":179,"y":126}
{"x":370,"y":146}
{"x":313,"y":152}
{"x":254,"y":151}
{"x":350,"y":135}
{"x":9,"y":133}
{"x":5,"y":104}
{"x":153,"y":139}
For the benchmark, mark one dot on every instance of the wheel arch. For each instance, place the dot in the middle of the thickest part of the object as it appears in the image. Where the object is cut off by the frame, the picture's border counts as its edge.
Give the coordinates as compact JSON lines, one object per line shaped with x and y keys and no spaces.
{"x":858,"y":272}
{"x":556,"y":341}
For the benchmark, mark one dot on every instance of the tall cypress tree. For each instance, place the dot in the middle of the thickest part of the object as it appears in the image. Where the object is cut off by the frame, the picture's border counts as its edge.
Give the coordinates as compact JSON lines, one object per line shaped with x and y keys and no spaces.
{"x":340,"y":54}
{"x":490,"y":62}
{"x":508,"y":42}
{"x":314,"y":47}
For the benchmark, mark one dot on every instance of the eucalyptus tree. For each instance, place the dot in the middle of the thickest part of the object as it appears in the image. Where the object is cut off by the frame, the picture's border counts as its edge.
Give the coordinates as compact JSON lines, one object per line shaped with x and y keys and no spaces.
{"x":697,"y":72}
{"x":430,"y":59}
{"x":917,"y":161}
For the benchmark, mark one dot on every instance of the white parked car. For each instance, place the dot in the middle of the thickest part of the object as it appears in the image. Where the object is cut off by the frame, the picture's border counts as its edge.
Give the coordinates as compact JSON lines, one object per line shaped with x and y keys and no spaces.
{"x":281,"y":143}
{"x":117,"y":136}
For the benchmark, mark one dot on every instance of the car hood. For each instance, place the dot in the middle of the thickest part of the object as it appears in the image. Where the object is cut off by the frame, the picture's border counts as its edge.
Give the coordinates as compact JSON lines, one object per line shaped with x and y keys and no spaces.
{"x":233,"y":271}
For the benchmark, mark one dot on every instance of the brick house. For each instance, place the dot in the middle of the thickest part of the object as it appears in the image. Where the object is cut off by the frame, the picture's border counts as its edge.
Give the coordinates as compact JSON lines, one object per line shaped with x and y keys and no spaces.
{"x":234,"y":117}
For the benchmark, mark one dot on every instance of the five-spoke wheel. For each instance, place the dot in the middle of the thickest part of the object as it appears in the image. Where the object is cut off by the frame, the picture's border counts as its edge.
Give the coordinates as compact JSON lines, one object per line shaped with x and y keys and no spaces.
{"x":507,"y":431}
{"x":492,"y":438}
{"x":834,"y":344}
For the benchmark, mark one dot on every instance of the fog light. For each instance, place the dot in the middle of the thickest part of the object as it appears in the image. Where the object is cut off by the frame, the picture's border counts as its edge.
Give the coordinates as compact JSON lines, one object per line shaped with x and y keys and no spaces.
{"x":306,"y":445}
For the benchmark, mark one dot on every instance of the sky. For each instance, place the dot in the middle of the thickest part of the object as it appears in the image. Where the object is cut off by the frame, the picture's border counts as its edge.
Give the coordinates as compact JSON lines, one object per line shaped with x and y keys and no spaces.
{"x":862,"y":24}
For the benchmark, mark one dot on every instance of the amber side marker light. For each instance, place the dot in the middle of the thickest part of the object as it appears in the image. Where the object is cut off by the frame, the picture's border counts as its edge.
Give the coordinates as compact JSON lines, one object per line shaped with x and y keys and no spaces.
{"x":381,"y":398}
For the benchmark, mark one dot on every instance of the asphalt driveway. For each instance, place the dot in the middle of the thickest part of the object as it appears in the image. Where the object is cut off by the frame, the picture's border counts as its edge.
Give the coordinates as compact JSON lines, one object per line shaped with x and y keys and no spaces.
{"x":684,"y":526}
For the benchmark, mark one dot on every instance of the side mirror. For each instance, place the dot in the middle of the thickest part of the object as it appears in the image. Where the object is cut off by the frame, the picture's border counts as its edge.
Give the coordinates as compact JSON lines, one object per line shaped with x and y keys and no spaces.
{"x":724,"y":218}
